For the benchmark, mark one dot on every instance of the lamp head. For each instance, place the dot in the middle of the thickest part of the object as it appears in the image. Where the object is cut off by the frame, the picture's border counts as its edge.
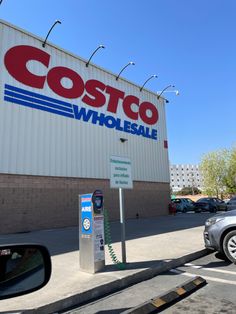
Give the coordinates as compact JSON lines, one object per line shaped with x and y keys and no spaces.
{"x":123,"y":140}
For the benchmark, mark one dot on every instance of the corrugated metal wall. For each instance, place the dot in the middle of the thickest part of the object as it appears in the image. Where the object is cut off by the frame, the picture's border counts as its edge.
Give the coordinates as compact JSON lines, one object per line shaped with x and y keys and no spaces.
{"x":36,"y":142}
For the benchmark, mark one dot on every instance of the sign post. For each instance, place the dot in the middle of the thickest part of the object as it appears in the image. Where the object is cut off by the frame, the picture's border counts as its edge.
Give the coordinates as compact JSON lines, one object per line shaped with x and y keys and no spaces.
{"x":121,"y":178}
{"x":122,"y":222}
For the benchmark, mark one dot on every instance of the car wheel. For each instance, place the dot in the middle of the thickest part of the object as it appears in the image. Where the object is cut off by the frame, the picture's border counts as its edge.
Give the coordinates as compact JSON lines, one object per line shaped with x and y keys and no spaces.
{"x":229,"y":246}
{"x":184,"y":210}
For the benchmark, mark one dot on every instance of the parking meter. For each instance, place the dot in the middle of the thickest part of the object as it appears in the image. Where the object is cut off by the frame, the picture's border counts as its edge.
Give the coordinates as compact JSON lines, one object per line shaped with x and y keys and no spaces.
{"x":97,"y":200}
{"x":91,"y":232}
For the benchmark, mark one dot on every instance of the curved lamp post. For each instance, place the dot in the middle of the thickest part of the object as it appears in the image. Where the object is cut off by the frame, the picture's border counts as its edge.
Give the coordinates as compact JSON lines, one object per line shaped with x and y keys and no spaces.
{"x":100,"y":46}
{"x":57,"y":21}
{"x":130,"y":63}
{"x":154,"y":75}
{"x":169,"y":86}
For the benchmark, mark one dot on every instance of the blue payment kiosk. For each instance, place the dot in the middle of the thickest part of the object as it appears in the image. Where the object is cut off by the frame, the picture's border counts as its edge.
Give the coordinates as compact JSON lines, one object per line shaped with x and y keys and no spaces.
{"x":91,"y":232}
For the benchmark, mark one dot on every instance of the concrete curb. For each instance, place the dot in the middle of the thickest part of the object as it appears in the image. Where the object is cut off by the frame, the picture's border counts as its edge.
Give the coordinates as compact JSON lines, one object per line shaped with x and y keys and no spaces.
{"x":161,"y":302}
{"x":116,"y":285}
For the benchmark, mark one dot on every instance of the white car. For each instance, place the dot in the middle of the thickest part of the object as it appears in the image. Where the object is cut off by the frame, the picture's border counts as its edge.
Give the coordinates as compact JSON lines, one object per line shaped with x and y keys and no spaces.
{"x":183,"y":204}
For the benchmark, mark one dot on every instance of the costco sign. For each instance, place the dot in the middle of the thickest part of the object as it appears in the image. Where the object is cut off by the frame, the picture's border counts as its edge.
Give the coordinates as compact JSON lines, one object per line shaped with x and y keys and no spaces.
{"x":93,"y":94}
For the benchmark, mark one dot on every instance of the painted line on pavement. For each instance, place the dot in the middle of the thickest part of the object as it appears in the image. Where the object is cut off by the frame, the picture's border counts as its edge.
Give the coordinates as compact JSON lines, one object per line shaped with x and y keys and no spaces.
{"x":215,"y":279}
{"x":211,"y":269}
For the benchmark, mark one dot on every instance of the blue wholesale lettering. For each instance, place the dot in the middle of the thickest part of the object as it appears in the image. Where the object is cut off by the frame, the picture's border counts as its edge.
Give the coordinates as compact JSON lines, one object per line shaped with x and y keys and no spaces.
{"x":113,"y":123}
{"x":37,"y":101}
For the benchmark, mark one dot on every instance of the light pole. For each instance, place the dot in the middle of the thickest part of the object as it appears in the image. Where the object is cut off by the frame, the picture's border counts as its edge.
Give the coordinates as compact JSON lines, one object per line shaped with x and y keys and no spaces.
{"x":153,"y":76}
{"x":56,"y":22}
{"x":100,"y":46}
{"x":159,"y":93}
{"x":130,"y":63}
{"x":192,"y":182}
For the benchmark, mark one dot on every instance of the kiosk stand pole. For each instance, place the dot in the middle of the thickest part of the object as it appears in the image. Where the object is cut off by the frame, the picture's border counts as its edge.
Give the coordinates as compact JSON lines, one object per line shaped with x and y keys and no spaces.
{"x":122,"y":221}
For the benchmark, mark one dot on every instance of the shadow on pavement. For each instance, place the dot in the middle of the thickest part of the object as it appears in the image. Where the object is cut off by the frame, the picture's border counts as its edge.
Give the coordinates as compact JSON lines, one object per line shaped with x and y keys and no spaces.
{"x":222,"y":261}
{"x":117,"y":311}
{"x":137,"y":228}
{"x":65,"y":240}
{"x":134,"y":265}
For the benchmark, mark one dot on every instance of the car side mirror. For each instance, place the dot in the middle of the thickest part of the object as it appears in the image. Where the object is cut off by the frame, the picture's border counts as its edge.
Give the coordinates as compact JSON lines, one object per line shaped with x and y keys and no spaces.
{"x":24,"y":268}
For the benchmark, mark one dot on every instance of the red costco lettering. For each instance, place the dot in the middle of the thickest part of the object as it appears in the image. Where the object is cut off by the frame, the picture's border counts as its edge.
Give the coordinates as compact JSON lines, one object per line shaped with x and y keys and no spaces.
{"x":94,"y":88}
{"x":115,"y":96}
{"x":144,"y":107}
{"x":16,"y":59}
{"x":127,"y":106}
{"x":95,"y":93}
{"x":54,"y":77}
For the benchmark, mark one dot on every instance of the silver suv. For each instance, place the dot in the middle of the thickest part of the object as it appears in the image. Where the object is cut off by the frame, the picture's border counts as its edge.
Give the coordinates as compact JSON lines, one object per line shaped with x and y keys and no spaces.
{"x":220,"y":234}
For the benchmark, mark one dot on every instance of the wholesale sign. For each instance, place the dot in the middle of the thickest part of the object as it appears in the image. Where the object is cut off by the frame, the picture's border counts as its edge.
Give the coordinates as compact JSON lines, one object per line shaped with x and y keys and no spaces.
{"x":141,"y":117}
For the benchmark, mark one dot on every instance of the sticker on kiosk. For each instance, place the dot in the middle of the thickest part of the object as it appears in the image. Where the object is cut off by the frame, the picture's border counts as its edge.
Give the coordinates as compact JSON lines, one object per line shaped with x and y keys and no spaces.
{"x":86,"y":214}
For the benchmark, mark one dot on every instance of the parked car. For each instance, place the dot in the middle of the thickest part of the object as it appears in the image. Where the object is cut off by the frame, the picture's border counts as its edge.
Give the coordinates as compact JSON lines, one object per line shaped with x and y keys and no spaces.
{"x":183,"y":204}
{"x":220,"y":234}
{"x":226,"y":200}
{"x":211,"y":204}
{"x":231,"y":204}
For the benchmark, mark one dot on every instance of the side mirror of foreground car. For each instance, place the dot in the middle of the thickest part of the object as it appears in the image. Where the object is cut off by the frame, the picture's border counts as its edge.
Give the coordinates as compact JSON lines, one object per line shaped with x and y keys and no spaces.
{"x":24,"y":268}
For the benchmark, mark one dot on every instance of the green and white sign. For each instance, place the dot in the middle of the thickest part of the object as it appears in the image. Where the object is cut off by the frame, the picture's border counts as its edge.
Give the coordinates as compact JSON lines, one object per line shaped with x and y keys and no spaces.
{"x":120,"y":173}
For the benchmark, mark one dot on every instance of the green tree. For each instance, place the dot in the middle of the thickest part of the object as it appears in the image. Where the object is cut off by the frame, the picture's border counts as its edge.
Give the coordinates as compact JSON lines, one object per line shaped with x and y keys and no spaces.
{"x":189,"y":191}
{"x":230,"y":180}
{"x":215,"y":169}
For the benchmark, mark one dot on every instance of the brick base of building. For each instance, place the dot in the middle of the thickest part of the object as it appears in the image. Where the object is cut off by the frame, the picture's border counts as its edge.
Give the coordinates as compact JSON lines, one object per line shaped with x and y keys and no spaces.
{"x":38,"y":202}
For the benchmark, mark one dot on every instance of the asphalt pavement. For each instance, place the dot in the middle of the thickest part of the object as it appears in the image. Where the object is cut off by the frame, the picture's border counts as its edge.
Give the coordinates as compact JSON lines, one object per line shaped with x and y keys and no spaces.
{"x":152,"y":246}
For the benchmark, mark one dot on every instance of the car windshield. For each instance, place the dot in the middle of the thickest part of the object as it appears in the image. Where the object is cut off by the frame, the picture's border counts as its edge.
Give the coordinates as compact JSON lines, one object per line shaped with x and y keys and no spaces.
{"x":189,"y":200}
{"x":176,"y":201}
{"x":202,"y":200}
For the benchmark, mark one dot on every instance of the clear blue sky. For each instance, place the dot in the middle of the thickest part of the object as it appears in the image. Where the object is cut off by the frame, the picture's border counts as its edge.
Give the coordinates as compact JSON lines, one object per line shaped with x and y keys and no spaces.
{"x":188,"y":43}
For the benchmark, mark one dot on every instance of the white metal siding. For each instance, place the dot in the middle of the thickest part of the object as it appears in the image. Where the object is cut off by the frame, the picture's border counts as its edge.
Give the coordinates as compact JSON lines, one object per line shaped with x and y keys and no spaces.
{"x":41,"y":143}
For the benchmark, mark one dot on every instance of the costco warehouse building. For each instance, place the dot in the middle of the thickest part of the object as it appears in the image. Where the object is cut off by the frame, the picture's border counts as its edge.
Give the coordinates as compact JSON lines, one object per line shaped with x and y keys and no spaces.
{"x":60,"y":122}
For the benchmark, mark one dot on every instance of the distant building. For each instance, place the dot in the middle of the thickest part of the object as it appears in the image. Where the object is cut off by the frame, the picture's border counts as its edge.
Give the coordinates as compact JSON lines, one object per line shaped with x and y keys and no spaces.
{"x":182,"y":176}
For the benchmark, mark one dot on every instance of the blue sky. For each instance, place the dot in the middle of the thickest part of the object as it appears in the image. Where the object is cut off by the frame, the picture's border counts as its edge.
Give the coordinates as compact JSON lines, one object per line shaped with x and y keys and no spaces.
{"x":188,"y":43}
